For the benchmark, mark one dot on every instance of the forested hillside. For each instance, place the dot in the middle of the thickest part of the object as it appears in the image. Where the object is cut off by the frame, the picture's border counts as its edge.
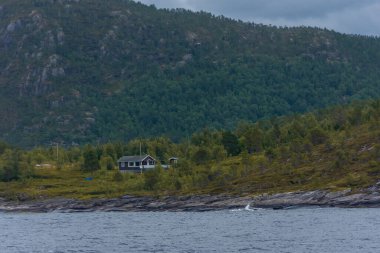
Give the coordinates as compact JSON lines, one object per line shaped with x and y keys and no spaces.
{"x":84,"y":71}
{"x":334,"y":149}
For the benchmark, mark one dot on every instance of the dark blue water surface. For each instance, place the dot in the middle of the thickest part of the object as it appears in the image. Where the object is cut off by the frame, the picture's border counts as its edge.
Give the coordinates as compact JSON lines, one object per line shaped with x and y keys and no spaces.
{"x":295,"y":230}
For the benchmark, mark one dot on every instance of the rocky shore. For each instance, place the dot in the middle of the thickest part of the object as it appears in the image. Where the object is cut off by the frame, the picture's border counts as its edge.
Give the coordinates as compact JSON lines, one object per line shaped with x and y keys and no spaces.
{"x":368,"y":198}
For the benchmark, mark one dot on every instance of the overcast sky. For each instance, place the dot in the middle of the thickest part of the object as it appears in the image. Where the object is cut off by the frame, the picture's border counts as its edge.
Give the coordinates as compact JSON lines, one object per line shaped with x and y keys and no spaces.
{"x":347,"y":16}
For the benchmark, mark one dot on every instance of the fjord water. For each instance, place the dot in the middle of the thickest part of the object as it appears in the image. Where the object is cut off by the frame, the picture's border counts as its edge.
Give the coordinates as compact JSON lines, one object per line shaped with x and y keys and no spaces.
{"x":293,"y":230}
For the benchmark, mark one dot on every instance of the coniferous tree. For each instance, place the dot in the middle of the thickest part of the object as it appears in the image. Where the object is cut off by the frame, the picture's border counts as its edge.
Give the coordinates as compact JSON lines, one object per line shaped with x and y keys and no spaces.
{"x":230,"y":143}
{"x":90,"y":159}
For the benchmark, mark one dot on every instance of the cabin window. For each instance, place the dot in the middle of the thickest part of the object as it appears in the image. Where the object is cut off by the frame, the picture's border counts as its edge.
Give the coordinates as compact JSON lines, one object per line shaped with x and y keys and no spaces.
{"x":122,"y":165}
{"x":130,"y":164}
{"x":137,"y":163}
{"x":151,"y":162}
{"x":144,"y":163}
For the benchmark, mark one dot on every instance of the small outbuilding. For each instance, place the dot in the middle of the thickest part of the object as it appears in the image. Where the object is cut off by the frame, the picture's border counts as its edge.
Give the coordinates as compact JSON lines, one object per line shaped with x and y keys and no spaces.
{"x":136,"y":163}
{"x":173,"y":160}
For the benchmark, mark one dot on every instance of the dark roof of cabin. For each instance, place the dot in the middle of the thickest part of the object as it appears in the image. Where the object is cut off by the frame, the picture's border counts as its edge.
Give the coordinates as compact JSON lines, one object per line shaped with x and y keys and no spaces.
{"x":135,"y":158}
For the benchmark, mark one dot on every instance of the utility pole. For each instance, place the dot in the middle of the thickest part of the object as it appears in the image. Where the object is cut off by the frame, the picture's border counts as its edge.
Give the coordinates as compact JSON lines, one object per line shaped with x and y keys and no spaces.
{"x":57,"y":152}
{"x":141,"y":166}
{"x":55,"y":145}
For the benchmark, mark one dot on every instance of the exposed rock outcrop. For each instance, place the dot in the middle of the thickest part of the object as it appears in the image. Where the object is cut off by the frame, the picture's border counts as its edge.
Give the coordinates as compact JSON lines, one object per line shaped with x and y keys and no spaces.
{"x":198,"y":203}
{"x":129,"y":203}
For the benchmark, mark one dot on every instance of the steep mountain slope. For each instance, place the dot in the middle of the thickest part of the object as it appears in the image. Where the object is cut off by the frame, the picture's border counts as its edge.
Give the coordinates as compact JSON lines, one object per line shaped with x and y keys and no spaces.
{"x":78,"y":71}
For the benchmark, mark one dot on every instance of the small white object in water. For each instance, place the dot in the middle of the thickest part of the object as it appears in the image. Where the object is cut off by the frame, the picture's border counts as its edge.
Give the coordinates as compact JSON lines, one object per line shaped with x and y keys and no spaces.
{"x":246,"y":208}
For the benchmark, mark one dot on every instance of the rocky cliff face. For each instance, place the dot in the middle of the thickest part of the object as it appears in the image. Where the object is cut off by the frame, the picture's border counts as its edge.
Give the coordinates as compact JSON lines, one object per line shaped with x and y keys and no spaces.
{"x":33,"y":71}
{"x":29,"y":44}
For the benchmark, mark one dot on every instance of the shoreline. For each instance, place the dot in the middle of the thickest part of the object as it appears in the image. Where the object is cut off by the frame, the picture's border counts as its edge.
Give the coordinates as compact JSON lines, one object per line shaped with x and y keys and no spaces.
{"x":201,"y":203}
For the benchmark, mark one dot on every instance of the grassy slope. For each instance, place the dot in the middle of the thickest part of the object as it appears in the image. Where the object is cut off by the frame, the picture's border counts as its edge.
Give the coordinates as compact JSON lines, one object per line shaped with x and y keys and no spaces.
{"x":351,"y":159}
{"x":66,"y":182}
{"x":348,"y":162}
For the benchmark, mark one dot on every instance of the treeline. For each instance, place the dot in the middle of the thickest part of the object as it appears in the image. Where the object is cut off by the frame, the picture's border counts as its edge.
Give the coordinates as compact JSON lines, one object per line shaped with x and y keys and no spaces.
{"x":15,"y":164}
{"x":279,"y":152}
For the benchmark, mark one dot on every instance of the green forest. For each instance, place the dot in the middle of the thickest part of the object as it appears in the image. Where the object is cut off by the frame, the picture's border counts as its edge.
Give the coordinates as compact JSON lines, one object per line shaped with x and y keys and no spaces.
{"x":94,"y":72}
{"x":333,"y":149}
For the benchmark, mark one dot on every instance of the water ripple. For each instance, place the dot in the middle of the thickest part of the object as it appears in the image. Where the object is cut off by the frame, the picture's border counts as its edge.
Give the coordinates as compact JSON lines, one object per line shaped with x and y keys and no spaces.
{"x":241,"y":230}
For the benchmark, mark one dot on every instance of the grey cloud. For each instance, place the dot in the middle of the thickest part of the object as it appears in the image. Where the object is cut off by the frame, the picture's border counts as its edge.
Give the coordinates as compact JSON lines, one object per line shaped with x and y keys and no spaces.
{"x":275,"y":8}
{"x":348,"y":16}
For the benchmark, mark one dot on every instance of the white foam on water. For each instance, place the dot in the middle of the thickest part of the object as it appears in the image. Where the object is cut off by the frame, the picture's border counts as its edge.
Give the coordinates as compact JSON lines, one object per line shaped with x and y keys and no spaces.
{"x":246,"y":208}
